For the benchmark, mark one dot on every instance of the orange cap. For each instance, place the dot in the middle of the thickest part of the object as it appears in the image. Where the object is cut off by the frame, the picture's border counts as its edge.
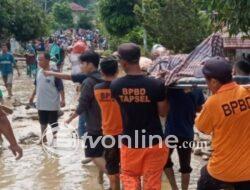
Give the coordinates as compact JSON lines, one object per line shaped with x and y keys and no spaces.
{"x":79,"y":47}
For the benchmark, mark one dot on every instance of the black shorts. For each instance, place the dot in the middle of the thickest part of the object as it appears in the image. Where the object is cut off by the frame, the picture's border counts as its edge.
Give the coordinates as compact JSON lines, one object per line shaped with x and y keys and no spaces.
{"x":184,"y":154}
{"x":207,"y":182}
{"x":48,"y":117}
{"x":112,"y":156}
{"x":8,"y":79}
{"x":96,"y":151}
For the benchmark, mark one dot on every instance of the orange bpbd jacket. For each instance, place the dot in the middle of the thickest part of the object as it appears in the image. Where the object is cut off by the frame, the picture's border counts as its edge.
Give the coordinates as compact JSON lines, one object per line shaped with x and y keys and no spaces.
{"x":226,"y":116}
{"x":111,"y":114}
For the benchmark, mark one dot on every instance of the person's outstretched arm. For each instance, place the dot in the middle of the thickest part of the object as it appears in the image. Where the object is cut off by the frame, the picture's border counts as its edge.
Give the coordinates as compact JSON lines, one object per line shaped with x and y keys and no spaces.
{"x":58,"y":75}
{"x":6,"y":130}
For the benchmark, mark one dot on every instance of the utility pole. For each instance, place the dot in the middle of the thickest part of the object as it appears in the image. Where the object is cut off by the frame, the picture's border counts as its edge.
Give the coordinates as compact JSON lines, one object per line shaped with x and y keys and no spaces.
{"x":145,"y":40}
{"x":45,"y":6}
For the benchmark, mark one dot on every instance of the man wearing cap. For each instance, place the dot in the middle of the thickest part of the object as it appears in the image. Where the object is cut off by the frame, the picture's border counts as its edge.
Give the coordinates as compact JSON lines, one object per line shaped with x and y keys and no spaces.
{"x":225,"y":116}
{"x":78,"y":48}
{"x":142,"y":100}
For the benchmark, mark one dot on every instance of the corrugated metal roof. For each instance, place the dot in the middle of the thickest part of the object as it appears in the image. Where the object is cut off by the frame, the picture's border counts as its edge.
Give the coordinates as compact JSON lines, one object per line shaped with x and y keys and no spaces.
{"x":236,"y":43}
{"x":77,"y":8}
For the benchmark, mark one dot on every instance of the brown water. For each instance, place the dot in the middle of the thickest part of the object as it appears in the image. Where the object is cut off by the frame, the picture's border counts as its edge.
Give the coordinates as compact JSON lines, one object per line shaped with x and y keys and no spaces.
{"x":39,"y":170}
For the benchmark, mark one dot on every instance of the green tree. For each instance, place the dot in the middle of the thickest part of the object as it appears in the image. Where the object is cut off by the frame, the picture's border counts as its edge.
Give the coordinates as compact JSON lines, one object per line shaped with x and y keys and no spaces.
{"x":178,"y":25}
{"x":234,"y":14}
{"x":118,"y":16}
{"x":4,"y":18}
{"x":85,"y":22}
{"x":135,"y":36}
{"x":47,"y":5}
{"x":26,"y":21}
{"x":4,"y":14}
{"x":63,"y":15}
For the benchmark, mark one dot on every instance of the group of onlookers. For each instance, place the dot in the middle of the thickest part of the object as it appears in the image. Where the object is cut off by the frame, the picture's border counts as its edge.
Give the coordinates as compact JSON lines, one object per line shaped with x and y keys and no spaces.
{"x":138,"y":107}
{"x":134,"y":104}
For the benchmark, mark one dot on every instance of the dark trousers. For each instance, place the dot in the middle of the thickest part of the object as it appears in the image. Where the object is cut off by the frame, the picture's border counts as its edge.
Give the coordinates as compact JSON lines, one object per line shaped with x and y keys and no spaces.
{"x":81,"y":126}
{"x":207,"y":182}
{"x":184,"y":154}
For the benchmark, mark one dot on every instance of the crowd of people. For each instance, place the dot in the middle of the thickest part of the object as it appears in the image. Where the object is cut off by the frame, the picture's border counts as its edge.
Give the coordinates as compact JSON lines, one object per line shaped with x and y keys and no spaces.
{"x":58,"y":45}
{"x":138,"y":113}
{"x":93,"y":38}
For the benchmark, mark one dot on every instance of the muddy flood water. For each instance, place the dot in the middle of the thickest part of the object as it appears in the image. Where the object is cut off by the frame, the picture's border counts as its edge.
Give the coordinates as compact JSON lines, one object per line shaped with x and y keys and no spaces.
{"x":39,"y":170}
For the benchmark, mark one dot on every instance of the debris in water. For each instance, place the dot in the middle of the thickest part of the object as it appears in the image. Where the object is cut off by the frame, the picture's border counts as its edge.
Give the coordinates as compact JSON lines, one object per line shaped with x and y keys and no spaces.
{"x":17,"y":103}
{"x":30,"y":138}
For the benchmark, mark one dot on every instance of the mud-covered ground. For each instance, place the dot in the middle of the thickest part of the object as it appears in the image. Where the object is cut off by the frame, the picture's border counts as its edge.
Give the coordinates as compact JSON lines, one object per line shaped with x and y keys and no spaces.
{"x":38,"y":169}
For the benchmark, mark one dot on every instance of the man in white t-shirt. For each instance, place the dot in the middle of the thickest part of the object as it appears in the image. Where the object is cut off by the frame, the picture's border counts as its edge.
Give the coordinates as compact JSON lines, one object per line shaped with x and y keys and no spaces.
{"x":50,"y":96}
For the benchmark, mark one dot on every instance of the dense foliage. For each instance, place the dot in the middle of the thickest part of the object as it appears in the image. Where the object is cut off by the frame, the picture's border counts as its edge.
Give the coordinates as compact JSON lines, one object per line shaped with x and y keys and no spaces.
{"x":5,"y":13}
{"x":178,"y":25}
{"x":118,"y":16}
{"x":63,"y":15}
{"x":23,"y":19}
{"x":234,"y":14}
{"x":26,"y":19}
{"x":85,"y":22}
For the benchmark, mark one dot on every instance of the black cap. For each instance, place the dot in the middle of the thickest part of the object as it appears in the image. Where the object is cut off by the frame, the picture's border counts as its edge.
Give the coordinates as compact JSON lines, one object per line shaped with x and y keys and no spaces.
{"x":218,"y":68}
